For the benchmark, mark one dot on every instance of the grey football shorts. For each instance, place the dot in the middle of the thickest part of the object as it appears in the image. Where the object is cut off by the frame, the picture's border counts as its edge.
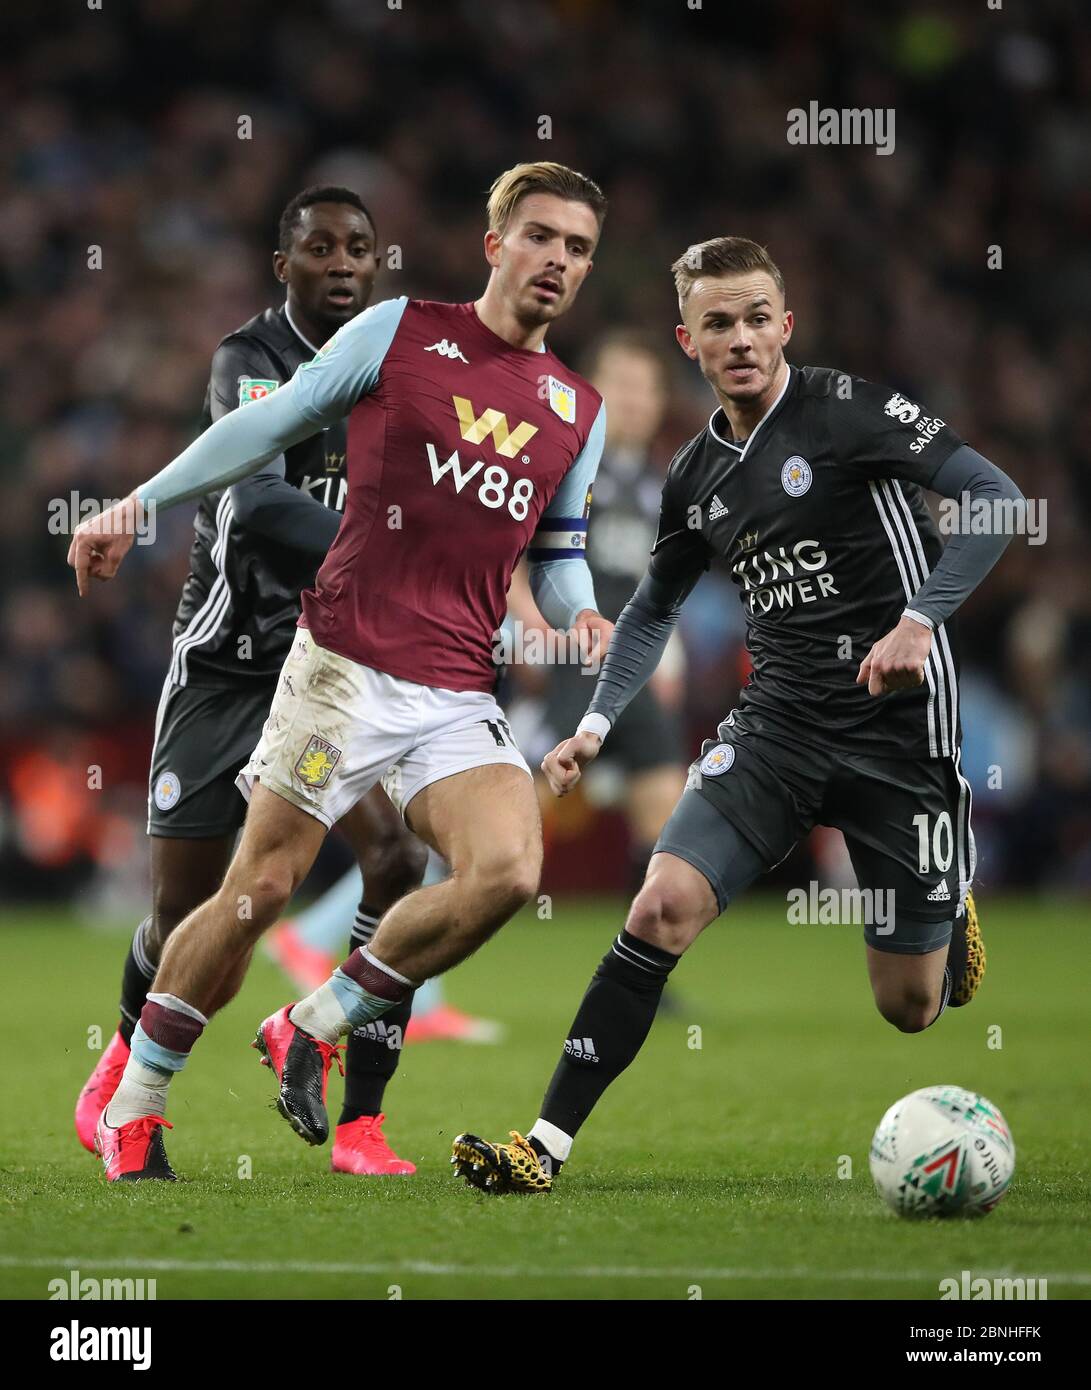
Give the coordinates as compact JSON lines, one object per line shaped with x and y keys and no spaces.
{"x":749,"y":799}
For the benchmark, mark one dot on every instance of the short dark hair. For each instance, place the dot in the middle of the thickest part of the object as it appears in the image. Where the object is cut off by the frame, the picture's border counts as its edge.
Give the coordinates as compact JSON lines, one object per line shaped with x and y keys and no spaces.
{"x":316,"y":193}
{"x":722,"y":255}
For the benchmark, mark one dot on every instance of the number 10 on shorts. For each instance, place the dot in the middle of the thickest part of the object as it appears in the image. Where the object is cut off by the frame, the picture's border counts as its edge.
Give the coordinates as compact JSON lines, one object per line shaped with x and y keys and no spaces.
{"x":941,"y":842}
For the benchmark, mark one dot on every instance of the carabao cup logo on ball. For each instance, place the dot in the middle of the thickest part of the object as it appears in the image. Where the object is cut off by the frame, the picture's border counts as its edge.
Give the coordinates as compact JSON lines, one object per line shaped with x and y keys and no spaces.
{"x":795,"y":476}
{"x":942,"y":1151}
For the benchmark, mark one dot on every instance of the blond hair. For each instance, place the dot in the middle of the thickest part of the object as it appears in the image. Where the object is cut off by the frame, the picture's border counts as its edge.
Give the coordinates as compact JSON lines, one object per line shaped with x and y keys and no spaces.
{"x":542,"y":177}
{"x":722,"y":255}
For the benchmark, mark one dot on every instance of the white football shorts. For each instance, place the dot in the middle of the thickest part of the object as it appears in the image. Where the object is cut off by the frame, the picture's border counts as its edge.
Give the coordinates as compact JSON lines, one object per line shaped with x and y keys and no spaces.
{"x":335,"y":728}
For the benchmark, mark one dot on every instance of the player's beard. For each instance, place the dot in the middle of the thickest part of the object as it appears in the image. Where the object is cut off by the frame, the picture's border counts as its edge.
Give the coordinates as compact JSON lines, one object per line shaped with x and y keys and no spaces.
{"x":531,"y":314}
{"x":753,"y":389}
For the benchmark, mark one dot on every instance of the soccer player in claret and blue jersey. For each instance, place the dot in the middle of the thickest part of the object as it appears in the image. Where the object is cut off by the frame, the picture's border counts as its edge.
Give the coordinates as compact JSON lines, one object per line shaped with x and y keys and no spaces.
{"x":256,"y":546}
{"x":468,"y":442}
{"x":808,"y":483}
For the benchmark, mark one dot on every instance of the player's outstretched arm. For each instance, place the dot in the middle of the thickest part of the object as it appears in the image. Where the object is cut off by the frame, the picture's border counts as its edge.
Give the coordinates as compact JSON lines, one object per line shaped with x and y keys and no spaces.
{"x":322,"y":391}
{"x":265,"y":503}
{"x":236,"y":445}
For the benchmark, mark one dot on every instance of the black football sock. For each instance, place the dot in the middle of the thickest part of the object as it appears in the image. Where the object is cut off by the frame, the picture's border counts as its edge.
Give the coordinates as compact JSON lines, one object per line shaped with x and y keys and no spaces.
{"x":945,"y":994}
{"x":609,"y":1029}
{"x":953,"y":971}
{"x":958,"y":955}
{"x":373,"y":1051}
{"x":136,"y":980}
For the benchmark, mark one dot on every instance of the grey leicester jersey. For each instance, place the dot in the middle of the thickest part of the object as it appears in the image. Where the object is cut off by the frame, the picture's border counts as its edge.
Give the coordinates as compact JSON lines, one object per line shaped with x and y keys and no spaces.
{"x":820,"y":518}
{"x":240,"y":603}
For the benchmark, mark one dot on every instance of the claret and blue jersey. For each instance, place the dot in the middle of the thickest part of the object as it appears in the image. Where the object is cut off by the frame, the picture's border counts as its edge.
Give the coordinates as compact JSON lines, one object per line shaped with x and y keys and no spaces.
{"x":463,"y":452}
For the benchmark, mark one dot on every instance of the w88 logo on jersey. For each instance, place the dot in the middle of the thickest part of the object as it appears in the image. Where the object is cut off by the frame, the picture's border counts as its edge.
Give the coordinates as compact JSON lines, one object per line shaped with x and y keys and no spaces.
{"x":495,"y":486}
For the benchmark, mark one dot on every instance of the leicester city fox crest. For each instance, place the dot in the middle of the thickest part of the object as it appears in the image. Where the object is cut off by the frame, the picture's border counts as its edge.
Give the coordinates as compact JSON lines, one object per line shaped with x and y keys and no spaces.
{"x":718,"y":759}
{"x":795,"y":476}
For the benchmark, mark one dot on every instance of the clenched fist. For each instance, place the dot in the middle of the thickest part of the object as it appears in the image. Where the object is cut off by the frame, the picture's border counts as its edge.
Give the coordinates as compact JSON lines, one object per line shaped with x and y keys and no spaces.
{"x":896,"y":661}
{"x":564,"y":766}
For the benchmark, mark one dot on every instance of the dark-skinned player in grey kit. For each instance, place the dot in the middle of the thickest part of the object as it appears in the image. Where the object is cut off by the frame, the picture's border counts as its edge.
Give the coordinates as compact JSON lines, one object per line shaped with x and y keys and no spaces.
{"x":808,"y":483}
{"x":256,"y":546}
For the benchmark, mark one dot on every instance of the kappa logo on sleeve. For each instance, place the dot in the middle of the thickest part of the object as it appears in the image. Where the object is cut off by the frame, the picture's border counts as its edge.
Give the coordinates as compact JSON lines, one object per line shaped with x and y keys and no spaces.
{"x":254,"y":388}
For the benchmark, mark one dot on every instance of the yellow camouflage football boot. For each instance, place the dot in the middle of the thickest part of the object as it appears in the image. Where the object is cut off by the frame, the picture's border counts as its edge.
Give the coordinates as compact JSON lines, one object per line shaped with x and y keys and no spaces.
{"x":499,"y":1168}
{"x":974,"y":971}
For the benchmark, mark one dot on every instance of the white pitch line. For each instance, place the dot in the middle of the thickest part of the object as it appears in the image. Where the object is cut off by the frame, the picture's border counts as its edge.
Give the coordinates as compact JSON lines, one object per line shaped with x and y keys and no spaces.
{"x":428,"y":1267}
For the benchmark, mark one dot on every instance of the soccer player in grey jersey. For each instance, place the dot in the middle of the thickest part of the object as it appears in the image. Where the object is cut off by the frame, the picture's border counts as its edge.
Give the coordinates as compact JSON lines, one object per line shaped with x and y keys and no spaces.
{"x":808,"y":482}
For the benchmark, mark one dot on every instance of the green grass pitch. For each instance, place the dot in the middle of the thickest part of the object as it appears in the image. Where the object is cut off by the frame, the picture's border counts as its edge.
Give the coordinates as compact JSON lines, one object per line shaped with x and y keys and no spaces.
{"x":708,"y":1171}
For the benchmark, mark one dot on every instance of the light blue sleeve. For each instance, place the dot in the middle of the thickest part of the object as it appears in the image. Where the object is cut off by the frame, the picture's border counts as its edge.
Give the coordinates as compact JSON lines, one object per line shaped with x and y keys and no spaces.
{"x":322,"y":392}
{"x":236,"y":445}
{"x":330,"y":384}
{"x":560,"y":579}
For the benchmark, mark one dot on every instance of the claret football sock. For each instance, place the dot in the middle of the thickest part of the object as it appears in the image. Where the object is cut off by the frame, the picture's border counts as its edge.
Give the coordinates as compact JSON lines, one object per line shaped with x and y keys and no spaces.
{"x":608,"y":1031}
{"x":136,"y":979}
{"x":358,"y":991}
{"x":161,"y":1044}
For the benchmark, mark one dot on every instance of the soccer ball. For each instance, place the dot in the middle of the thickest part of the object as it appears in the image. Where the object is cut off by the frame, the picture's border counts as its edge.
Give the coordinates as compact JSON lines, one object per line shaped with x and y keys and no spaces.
{"x":942,"y":1151}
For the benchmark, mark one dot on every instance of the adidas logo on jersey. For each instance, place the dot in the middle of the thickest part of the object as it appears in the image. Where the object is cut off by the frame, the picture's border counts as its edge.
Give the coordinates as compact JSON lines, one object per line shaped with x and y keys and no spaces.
{"x":716,"y":509}
{"x":446,"y":349}
{"x":581,"y":1049}
{"x":377,"y":1031}
{"x":941,"y":893}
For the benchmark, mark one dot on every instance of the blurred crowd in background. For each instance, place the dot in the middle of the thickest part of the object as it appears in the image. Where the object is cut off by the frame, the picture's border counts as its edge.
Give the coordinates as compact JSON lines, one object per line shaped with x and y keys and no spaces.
{"x":123,"y":133}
